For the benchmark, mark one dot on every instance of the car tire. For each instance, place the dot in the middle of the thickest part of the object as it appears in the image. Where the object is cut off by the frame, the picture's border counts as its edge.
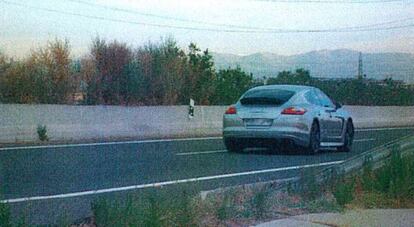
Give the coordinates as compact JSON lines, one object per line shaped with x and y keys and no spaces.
{"x":314,"y":139}
{"x":233,"y":145}
{"x":348,"y":138}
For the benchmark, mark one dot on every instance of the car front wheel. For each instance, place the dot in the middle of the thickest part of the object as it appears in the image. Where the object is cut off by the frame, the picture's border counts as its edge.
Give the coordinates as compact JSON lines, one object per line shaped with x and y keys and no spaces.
{"x":315,"y":139}
{"x":348,"y":138}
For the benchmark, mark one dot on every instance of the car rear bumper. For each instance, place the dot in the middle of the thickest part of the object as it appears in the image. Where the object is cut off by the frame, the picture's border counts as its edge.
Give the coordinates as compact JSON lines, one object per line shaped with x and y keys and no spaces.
{"x":294,"y":135}
{"x":295,"y":129}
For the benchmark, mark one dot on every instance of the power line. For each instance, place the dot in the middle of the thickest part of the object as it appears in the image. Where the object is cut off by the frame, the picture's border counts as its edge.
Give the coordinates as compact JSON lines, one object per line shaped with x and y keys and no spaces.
{"x":117,"y":20}
{"x":340,"y":62}
{"x":333,"y":1}
{"x":135,"y":12}
{"x":275,"y":31}
{"x":382,"y":23}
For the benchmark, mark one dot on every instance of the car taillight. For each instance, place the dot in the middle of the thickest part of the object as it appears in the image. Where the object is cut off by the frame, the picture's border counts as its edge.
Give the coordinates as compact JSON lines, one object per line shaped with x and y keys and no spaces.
{"x":294,"y":111}
{"x":231,"y":110}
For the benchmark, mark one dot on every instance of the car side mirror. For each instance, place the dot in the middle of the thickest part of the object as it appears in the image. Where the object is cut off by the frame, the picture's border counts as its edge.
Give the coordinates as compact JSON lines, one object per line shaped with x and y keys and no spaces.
{"x":337,"y":105}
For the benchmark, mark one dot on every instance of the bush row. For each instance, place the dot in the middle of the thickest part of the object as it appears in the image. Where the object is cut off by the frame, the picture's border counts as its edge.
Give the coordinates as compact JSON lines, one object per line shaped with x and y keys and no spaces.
{"x":114,"y":73}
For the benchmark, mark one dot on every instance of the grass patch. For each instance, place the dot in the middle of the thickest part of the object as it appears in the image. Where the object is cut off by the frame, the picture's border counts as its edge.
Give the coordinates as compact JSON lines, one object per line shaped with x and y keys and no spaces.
{"x":259,"y":203}
{"x":149,"y":209}
{"x":310,"y":188}
{"x":322,"y":204}
{"x":42,"y":133}
{"x":344,"y":192}
{"x":390,"y":186}
{"x":5,"y":218}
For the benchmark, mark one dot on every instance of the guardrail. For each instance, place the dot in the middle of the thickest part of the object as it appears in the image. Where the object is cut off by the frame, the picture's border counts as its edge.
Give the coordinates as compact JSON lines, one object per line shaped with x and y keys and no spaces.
{"x":18,"y":122}
{"x":376,"y":156}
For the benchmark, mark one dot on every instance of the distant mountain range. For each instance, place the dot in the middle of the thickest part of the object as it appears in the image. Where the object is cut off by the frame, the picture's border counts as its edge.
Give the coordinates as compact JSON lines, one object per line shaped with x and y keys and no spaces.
{"x":340,"y":63}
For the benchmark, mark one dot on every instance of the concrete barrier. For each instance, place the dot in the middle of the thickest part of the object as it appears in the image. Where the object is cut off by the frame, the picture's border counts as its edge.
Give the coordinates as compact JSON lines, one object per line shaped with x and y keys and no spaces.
{"x":381,"y":116}
{"x":18,"y":123}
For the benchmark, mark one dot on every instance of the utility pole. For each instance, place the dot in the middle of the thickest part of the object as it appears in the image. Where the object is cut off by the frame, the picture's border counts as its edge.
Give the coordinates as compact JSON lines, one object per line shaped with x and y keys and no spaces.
{"x":360,"y":67}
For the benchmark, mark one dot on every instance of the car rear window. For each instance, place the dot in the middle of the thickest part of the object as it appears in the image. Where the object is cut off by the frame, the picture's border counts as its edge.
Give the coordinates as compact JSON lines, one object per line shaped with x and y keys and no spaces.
{"x":266,"y":97}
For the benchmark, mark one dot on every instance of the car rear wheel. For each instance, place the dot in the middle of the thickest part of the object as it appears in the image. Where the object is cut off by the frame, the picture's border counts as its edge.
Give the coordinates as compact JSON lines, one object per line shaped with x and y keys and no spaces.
{"x":348,"y":138}
{"x":315,"y":139}
{"x":233,"y":145}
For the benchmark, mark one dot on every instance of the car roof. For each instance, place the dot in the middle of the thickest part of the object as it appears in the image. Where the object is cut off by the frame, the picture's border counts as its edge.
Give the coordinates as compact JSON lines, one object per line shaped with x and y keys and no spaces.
{"x":294,"y":88}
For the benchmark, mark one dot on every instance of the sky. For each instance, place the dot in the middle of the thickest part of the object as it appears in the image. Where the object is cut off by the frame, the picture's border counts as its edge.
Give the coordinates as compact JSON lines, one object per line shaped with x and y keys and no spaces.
{"x":219,"y":25}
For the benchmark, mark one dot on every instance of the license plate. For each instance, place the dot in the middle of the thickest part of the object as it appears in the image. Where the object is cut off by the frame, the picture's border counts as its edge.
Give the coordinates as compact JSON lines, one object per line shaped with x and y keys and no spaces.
{"x":258,"y":122}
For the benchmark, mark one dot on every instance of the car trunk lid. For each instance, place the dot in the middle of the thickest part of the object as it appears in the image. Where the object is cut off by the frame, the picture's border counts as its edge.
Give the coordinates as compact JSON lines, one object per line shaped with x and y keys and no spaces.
{"x":263,"y":104}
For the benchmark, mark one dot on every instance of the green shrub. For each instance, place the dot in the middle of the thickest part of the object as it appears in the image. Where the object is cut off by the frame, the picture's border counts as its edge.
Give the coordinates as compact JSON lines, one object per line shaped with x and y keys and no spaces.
{"x":157,"y":208}
{"x":373,"y":200}
{"x":259,"y":203}
{"x":21,"y":222}
{"x":311,"y":189}
{"x":344,"y":192}
{"x":183,"y":210}
{"x":153,"y":214}
{"x":42,"y":133}
{"x":392,"y":185}
{"x":224,"y":210}
{"x":5,"y":218}
{"x":323,"y":205}
{"x":101,"y":210}
{"x":127,"y":212}
{"x":396,"y":177}
{"x":368,"y":179}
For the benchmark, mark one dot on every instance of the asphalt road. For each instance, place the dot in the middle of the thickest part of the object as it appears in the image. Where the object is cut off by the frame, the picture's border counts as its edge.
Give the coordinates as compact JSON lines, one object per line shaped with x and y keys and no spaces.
{"x":47,"y":184}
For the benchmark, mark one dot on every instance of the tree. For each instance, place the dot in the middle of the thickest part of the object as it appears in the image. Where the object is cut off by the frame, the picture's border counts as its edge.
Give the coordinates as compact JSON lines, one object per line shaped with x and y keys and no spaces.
{"x":200,"y":77}
{"x":107,"y":84}
{"x":161,"y":74}
{"x":163,"y":67}
{"x":300,"y":77}
{"x":17,"y":85}
{"x":49,"y":69}
{"x":200,"y":80}
{"x":230,"y":85}
{"x":3,"y":67}
{"x":43,"y":77}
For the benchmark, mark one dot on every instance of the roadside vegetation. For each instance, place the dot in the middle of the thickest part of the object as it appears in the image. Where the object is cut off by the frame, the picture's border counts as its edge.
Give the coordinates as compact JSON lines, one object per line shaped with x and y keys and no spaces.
{"x":390,"y":186}
{"x":114,"y":73}
{"x":42,"y":133}
{"x":150,"y":209}
{"x":161,"y":73}
{"x":352,"y":91}
{"x":5,"y":219}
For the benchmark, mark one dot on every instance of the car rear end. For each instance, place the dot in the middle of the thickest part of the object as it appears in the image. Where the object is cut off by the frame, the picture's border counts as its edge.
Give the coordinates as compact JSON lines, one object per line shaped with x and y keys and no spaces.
{"x":267,"y":113}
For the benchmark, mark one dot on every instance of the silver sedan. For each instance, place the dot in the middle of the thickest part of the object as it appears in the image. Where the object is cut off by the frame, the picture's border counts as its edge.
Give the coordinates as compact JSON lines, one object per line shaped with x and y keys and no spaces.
{"x":287,"y":114}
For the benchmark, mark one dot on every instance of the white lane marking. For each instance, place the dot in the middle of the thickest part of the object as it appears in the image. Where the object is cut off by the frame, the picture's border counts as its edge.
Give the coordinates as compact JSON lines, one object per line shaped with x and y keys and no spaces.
{"x":364,"y":140}
{"x":107,"y":143}
{"x":225,"y":151}
{"x":136,"y":142}
{"x":156,"y":141}
{"x":159,"y":184}
{"x":201,"y":152}
{"x":382,"y":129}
